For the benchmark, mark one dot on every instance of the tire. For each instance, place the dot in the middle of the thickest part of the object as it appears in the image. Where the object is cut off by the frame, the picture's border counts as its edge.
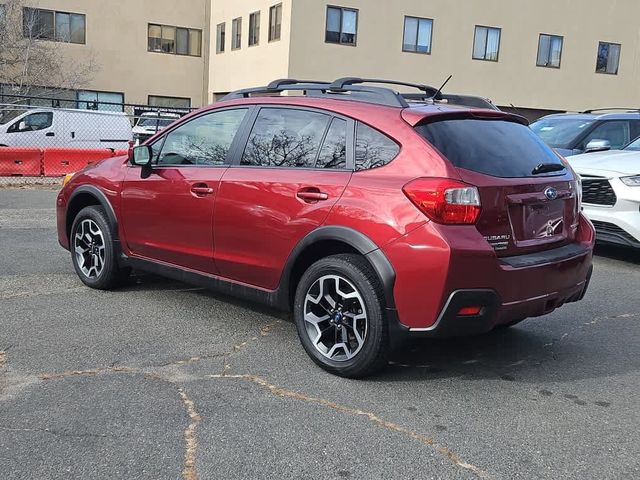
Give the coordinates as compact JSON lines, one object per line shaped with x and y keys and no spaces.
{"x":357,"y":313}
{"x":97,"y":266}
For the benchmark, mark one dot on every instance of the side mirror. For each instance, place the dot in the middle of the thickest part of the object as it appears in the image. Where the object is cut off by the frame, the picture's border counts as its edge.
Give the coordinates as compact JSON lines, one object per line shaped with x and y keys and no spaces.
{"x":141,"y":156}
{"x":597,"y":145}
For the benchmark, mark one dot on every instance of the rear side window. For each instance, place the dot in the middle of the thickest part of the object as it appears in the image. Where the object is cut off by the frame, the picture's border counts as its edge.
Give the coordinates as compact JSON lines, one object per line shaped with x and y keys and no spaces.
{"x":493,"y":147}
{"x":285,"y":137}
{"x":373,"y":149}
{"x":333,"y":153}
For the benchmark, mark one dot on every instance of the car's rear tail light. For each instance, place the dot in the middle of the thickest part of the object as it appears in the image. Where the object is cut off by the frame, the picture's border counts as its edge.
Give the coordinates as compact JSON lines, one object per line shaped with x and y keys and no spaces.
{"x":444,"y":200}
{"x":469,"y":311}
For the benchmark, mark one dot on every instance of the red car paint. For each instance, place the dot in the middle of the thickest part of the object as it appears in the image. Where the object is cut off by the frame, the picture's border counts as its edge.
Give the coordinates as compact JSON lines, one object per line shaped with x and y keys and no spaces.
{"x":241,"y":224}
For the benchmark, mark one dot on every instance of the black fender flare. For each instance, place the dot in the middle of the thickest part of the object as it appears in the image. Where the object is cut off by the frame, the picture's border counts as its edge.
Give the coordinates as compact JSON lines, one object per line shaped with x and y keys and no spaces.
{"x":357,"y":240}
{"x":102,"y":200}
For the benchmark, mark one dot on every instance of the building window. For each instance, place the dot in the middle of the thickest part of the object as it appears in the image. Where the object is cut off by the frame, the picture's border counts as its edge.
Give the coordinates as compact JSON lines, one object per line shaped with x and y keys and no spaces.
{"x":254,"y":28}
{"x":549,"y":51}
{"x":174,"y":40}
{"x":102,"y":101}
{"x":486,"y":43}
{"x":342,"y":25}
{"x":168,"y":102}
{"x":236,"y":33}
{"x":220,"y":37}
{"x":275,"y":22}
{"x":55,"y":26}
{"x":608,"y":58}
{"x":417,"y":35}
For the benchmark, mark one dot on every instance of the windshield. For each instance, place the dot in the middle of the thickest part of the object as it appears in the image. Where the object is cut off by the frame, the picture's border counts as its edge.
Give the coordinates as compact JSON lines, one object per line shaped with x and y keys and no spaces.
{"x":560,"y":132}
{"x":8,"y":114}
{"x":635,"y":145}
{"x":152,"y":122}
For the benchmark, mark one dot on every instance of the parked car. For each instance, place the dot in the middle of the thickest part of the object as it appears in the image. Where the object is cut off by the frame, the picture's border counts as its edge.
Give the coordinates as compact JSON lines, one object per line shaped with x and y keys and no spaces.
{"x":590,"y":131}
{"x":52,"y":127}
{"x":150,"y":123}
{"x":372,"y":219}
{"x":611,"y":193}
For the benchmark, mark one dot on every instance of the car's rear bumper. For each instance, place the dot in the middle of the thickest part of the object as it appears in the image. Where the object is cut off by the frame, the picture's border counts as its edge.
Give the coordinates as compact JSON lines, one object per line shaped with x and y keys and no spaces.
{"x":506,"y":289}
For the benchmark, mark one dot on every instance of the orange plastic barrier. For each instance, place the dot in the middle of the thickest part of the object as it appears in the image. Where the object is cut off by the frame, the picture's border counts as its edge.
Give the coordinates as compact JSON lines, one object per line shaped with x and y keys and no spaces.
{"x":60,"y":161}
{"x":20,"y":162}
{"x":121,"y":153}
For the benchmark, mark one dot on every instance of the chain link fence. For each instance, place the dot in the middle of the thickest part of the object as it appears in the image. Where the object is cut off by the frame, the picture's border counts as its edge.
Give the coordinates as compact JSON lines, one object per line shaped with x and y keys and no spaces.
{"x":43,"y":138}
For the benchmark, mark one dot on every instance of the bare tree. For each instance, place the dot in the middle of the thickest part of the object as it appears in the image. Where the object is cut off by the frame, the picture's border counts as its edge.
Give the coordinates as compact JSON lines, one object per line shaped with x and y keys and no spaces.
{"x":30,"y":57}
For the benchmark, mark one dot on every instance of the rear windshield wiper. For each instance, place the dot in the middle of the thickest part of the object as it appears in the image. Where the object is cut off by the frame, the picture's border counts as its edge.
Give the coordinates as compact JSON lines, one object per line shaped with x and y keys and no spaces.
{"x":548,"y":167}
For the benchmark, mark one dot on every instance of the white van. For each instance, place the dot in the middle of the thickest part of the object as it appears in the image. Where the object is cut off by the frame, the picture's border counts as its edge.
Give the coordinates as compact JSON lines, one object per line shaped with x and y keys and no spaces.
{"x":66,"y":128}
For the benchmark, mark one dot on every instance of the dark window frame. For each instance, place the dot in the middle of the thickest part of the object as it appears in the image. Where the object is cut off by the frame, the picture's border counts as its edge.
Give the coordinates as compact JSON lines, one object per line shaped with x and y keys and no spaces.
{"x":236,"y":33}
{"x":600,"y":44}
{"x":254,"y":33}
{"x":98,"y":102}
{"x":221,"y":37}
{"x":253,"y":116}
{"x":275,"y":28}
{"x":473,"y":48}
{"x":149,"y":97}
{"x":551,"y":37}
{"x":175,"y":48}
{"x":54,"y":35}
{"x":326,"y":25}
{"x":404,"y":30}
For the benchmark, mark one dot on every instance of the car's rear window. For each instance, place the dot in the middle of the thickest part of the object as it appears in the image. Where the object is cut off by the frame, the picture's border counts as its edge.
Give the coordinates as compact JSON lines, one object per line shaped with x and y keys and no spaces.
{"x":499,"y":148}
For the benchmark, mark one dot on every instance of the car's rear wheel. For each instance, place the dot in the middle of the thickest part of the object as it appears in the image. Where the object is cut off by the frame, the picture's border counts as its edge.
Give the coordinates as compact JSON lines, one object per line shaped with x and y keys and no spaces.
{"x":93,"y":250}
{"x":340,"y":317}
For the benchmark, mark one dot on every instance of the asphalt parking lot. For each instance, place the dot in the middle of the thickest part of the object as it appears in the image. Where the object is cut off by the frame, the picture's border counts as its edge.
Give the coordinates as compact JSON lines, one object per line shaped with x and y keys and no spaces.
{"x":162,"y":380}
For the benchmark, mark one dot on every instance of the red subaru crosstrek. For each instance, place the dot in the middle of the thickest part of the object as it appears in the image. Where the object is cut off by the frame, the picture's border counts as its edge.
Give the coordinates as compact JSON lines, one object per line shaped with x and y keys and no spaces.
{"x":374,"y":216}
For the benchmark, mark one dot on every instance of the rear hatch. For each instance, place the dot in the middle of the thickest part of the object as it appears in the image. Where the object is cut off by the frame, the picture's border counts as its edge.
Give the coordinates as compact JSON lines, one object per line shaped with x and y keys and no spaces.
{"x":529,"y":197}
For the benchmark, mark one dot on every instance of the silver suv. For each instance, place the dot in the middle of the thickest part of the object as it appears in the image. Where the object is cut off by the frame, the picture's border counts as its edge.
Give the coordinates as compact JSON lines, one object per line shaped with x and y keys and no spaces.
{"x":589,"y":131}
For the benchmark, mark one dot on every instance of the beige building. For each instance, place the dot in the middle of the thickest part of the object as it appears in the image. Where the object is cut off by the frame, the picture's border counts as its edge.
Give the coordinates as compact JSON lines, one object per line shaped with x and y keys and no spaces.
{"x":545,"y":55}
{"x":144,"y":51}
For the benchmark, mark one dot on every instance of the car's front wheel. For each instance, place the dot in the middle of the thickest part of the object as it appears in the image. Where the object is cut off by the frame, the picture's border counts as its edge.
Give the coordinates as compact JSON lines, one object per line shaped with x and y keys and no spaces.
{"x":339,"y":316}
{"x":93,"y":250}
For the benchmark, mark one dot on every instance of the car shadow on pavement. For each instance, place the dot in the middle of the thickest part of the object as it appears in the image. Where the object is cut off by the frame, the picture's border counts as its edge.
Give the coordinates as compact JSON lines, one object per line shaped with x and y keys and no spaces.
{"x":520,"y":354}
{"x":625,"y":254}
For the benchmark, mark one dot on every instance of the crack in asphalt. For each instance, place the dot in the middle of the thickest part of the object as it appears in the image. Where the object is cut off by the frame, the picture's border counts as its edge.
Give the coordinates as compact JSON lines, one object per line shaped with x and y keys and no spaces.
{"x":372,"y":417}
{"x":189,"y":471}
{"x":623,"y":316}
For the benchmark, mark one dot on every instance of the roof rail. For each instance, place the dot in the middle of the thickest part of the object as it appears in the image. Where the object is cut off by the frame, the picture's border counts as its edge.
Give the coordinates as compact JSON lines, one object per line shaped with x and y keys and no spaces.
{"x":341,"y":91}
{"x":343,"y":82}
{"x":610,"y":109}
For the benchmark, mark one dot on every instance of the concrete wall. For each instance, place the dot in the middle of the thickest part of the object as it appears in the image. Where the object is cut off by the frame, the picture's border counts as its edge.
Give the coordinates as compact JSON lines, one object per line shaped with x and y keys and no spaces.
{"x":514,"y":79}
{"x":116,"y":35}
{"x":248,"y":66}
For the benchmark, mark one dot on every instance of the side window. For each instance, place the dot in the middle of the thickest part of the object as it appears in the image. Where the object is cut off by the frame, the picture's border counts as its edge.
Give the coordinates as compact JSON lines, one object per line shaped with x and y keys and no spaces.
{"x":284,"y":137}
{"x":616,"y":131}
{"x":32,"y":123}
{"x":205,"y":140}
{"x":373,"y":149}
{"x":333,"y":153}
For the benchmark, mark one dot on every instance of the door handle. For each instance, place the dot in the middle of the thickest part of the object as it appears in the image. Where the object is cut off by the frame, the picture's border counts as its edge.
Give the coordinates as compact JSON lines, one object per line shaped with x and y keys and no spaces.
{"x":312,"y":195}
{"x":201,"y":189}
{"x":50,"y":134}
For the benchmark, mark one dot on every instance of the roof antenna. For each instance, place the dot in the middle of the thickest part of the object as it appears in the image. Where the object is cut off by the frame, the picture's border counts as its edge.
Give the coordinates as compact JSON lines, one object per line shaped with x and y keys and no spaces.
{"x":435,"y":95}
